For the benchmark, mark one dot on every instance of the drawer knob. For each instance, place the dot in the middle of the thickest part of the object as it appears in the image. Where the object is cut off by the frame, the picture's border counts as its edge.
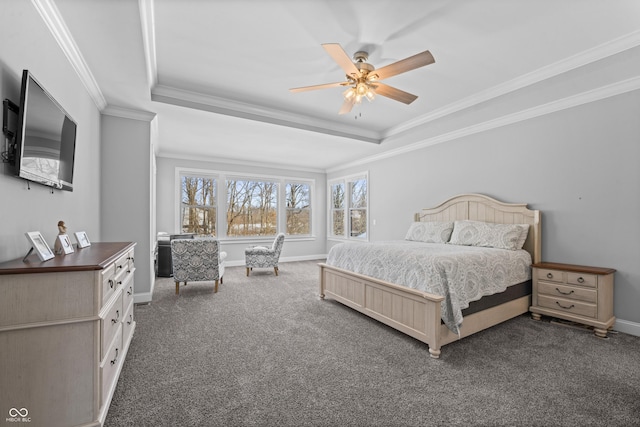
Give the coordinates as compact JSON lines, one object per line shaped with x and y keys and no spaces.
{"x":580,"y":280}
{"x":549,"y":276}
{"x":111,"y":283}
{"x":113,"y":362}
{"x":130,"y":321}
{"x":564,"y":293}
{"x":130,"y":291}
{"x":566,"y":308}
{"x":114,"y":321}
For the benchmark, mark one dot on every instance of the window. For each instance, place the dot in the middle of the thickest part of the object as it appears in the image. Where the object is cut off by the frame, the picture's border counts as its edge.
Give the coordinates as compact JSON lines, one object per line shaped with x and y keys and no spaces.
{"x":298,"y":200}
{"x":198,"y":205}
{"x":228,"y":205}
{"x":251,"y":208}
{"x":349,"y":200}
{"x":337,"y":209}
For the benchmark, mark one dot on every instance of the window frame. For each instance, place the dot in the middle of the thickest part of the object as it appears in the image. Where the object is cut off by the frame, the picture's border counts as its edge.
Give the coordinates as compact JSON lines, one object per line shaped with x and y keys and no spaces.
{"x":346,"y":182}
{"x":221,"y":201}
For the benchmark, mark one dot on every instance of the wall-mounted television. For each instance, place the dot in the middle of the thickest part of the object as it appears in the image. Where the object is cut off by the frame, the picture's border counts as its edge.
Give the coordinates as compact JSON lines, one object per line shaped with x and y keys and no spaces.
{"x":45,"y":139}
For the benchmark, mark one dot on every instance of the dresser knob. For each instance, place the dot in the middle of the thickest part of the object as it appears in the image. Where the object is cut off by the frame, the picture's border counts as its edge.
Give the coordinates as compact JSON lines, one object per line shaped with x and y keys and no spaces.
{"x":114,"y":321}
{"x":111,"y":283}
{"x":563,"y":293}
{"x":580,"y":280}
{"x":549,"y":276}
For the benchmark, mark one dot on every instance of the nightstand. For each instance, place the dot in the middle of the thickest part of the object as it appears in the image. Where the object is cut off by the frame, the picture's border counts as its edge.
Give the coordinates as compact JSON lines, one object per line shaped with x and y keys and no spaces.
{"x":574,"y":292}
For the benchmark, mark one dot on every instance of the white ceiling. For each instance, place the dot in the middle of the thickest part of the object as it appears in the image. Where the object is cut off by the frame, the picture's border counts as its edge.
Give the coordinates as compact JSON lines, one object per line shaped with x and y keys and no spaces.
{"x":217,"y":73}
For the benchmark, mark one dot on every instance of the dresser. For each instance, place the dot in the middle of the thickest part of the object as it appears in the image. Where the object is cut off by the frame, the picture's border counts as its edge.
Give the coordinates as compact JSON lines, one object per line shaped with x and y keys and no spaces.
{"x":577,"y":293}
{"x":65,"y":329}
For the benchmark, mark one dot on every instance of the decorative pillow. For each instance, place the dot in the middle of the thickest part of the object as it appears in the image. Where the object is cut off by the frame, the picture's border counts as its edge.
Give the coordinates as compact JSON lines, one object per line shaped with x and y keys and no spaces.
{"x":430,"y":232}
{"x":502,"y":236}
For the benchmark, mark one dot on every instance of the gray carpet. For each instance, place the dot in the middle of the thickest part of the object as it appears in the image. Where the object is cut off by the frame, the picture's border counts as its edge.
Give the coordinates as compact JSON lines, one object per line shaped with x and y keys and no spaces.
{"x":266,"y":351}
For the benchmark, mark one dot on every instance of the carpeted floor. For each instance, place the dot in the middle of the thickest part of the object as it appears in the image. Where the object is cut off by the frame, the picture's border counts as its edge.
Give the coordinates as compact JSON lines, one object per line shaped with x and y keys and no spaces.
{"x":266,"y":351}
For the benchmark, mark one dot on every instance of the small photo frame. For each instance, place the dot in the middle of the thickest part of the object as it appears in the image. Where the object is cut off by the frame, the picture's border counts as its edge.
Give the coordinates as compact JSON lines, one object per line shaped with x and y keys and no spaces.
{"x":82,"y":239}
{"x":65,"y":244}
{"x":39,"y":245}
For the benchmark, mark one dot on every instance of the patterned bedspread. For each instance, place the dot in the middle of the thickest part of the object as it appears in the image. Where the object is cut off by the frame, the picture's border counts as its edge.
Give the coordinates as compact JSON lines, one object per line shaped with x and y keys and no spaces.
{"x":461,"y":274}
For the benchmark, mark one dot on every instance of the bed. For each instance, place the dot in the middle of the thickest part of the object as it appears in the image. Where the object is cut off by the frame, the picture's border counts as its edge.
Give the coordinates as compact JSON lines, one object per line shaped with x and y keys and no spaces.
{"x":419,"y":313}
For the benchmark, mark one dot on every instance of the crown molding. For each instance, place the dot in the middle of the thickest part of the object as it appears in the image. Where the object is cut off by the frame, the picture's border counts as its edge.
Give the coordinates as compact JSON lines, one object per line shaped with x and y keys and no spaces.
{"x":181,"y":156}
{"x":185,"y":98}
{"x":147,"y":20}
{"x":128,"y":113}
{"x":51,"y":16}
{"x":597,"y":53}
{"x":593,"y":95}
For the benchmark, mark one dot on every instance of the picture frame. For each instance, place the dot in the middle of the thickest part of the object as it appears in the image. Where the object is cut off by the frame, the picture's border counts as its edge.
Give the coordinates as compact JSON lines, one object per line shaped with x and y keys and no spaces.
{"x":39,"y":245}
{"x":65,"y":244}
{"x":82,"y":239}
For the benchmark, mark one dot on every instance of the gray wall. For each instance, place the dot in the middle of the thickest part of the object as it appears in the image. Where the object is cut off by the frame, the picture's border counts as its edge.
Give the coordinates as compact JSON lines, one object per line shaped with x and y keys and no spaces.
{"x":166,"y":196}
{"x":579,"y":166}
{"x":26,"y":43}
{"x":127,"y":175}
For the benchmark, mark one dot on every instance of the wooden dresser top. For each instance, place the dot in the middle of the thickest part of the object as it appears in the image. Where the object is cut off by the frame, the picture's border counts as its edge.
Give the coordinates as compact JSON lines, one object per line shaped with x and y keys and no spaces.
{"x":95,"y":257}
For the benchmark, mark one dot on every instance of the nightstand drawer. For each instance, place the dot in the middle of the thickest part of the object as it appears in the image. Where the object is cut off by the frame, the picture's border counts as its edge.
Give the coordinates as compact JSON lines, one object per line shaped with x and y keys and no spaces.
{"x":568,"y":292}
{"x":582,"y":279}
{"x":550,"y":275}
{"x":568,"y":306}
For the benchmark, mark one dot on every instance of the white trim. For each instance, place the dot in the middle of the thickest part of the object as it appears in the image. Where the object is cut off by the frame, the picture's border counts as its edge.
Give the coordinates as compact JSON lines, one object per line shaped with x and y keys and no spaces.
{"x":51,"y":16}
{"x":143,"y":298}
{"x":229,"y":107}
{"x":320,"y":258}
{"x":127,"y":113}
{"x":627,"y":327}
{"x":581,"y":59}
{"x":204,"y":158}
{"x":593,"y":95}
{"x":147,"y":21}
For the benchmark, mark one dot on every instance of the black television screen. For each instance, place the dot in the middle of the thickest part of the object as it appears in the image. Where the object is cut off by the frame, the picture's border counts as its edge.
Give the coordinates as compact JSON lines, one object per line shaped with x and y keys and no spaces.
{"x":46,"y":137}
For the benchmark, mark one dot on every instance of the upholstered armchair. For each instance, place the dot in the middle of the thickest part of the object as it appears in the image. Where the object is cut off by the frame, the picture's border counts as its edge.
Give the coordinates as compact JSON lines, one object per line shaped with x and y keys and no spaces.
{"x":263,"y":257}
{"x":197,"y":260}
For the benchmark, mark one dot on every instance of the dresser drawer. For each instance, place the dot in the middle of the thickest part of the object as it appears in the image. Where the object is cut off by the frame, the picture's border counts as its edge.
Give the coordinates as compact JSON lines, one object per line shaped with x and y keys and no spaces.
{"x":568,"y":292}
{"x":108,"y":282}
{"x":127,"y":325}
{"x":590,"y":280}
{"x":550,"y":275}
{"x":109,"y":323}
{"x":563,"y":305}
{"x":110,"y":364}
{"x":127,"y":293}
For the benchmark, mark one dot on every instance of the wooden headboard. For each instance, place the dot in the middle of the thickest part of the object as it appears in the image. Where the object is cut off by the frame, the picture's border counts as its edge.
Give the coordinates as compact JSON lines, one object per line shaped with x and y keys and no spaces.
{"x":477,"y":207}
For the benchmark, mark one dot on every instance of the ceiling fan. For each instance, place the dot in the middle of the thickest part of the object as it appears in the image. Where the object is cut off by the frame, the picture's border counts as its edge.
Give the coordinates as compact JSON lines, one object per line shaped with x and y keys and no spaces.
{"x":364,"y":80}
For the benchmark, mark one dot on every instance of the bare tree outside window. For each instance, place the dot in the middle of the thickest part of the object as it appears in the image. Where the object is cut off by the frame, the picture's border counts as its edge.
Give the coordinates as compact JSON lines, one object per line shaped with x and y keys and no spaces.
{"x":198,"y":205}
{"x":337,"y":209}
{"x":251,"y":208}
{"x":298,"y":208}
{"x":358,"y":208}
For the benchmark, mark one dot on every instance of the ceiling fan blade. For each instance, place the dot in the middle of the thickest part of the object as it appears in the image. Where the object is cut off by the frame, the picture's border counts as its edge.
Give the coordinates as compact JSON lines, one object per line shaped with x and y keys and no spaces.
{"x":347,"y":105}
{"x":407,"y":64}
{"x":323,"y":86}
{"x":393,"y":93}
{"x":342,"y":59}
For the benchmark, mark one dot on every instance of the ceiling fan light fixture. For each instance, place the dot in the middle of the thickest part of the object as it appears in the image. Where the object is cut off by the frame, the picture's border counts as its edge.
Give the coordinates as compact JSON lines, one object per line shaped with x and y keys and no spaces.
{"x":349,"y":93}
{"x":371,"y":95}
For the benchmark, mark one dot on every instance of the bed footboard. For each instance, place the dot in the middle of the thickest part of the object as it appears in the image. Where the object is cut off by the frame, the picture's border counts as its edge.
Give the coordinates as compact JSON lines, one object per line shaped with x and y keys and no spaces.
{"x":410,"y":311}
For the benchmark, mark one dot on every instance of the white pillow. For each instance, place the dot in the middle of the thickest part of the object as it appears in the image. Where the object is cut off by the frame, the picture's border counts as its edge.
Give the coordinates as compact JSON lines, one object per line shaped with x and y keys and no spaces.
{"x":430,"y":232}
{"x":502,"y":236}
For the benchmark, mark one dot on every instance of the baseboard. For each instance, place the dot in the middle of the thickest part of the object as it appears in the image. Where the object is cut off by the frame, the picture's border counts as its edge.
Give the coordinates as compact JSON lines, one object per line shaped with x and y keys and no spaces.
{"x":143,"y":298}
{"x":322,"y":257}
{"x":627,"y":327}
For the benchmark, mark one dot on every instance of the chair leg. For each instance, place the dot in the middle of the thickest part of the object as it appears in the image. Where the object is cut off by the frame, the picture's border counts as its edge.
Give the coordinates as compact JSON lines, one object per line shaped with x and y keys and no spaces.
{"x":247,"y":271}
{"x":276,"y":270}
{"x":215,"y":290}
{"x":177,"y":288}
